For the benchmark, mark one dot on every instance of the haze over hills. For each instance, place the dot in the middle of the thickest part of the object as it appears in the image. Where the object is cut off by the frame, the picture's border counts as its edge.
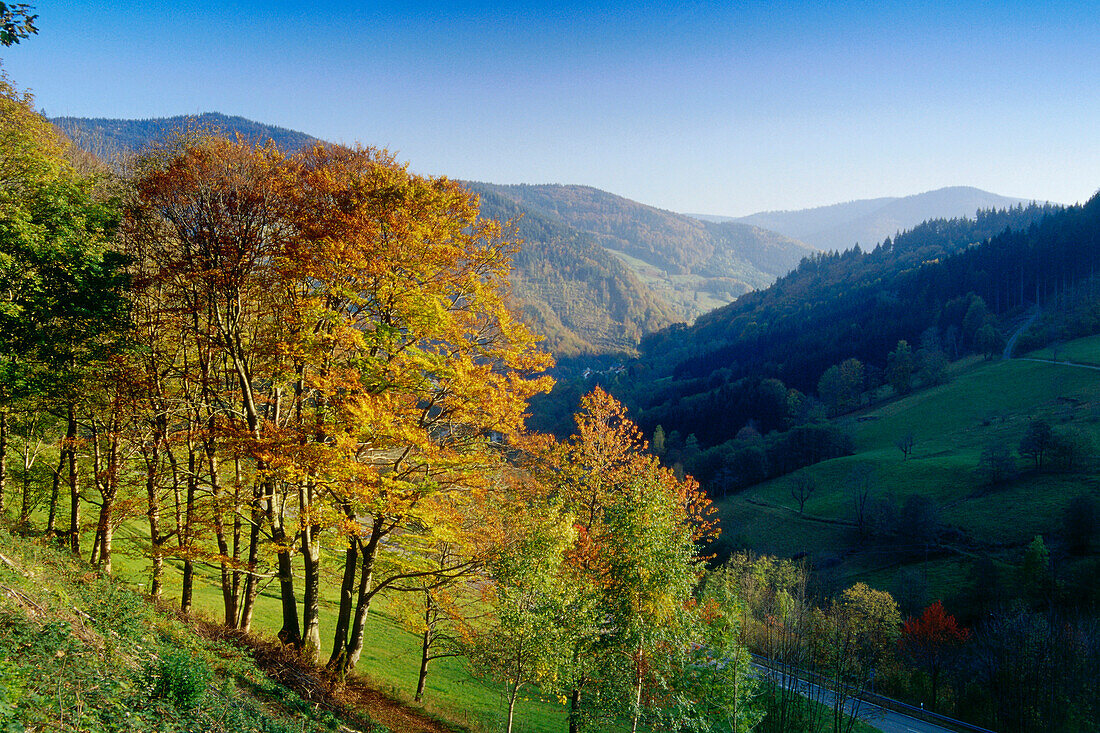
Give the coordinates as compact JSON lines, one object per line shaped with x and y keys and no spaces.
{"x":869,"y":221}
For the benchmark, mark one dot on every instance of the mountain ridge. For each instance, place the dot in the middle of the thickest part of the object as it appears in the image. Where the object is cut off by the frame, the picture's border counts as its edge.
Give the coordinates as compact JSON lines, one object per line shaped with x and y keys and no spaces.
{"x":868,"y":222}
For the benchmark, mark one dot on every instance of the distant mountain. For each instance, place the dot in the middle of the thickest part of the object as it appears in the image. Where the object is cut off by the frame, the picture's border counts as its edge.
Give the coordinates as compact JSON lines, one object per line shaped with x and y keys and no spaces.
{"x":109,"y":138}
{"x":693,"y":265}
{"x":870,"y":221}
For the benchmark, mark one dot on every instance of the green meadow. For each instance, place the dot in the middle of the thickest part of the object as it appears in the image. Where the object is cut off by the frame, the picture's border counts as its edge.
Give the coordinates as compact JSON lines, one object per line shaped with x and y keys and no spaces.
{"x":985,"y":403}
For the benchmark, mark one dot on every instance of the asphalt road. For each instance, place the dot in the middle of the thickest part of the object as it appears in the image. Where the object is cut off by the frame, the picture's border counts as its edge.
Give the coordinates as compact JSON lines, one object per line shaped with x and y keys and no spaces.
{"x":885,"y":720}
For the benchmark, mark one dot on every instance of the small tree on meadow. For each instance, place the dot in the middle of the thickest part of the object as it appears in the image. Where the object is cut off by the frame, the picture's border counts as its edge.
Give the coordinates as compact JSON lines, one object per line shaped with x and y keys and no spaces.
{"x":803,"y":486}
{"x":905,"y":444}
{"x":1037,"y":441}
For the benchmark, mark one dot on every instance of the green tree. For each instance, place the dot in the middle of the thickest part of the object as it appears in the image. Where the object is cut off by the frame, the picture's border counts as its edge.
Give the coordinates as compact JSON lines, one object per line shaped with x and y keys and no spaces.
{"x":841,"y":385}
{"x":1037,"y":442}
{"x":61,"y":277}
{"x":720,"y":680}
{"x":16,"y":23}
{"x":522,"y":639}
{"x":1069,"y":445}
{"x":899,"y":368}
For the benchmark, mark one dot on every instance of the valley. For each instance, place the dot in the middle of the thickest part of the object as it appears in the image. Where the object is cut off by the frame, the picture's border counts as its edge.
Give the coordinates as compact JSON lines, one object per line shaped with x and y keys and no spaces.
{"x":744,"y":428}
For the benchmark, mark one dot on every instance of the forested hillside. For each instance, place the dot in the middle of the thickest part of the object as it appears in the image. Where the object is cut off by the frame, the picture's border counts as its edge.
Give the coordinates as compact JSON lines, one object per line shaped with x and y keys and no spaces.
{"x":943,"y":285}
{"x":109,"y":138}
{"x":694,"y":265}
{"x":581,"y":298}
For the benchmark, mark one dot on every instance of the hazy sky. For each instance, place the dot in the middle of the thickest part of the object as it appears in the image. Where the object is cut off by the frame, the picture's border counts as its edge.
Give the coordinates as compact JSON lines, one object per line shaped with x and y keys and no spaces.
{"x":704,"y":107}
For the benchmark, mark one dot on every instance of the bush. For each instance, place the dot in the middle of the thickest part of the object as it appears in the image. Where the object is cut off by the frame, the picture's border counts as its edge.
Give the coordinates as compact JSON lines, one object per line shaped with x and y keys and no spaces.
{"x":179,"y":678}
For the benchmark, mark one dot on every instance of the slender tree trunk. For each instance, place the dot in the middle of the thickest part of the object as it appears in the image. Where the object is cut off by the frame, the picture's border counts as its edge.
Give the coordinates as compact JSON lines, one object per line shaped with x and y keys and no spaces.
{"x":187,"y":592}
{"x":229,"y":596}
{"x":51,"y":522}
{"x":106,"y":518}
{"x":237,"y":589}
{"x":25,"y":508}
{"x":74,"y":480}
{"x":152,"y":463}
{"x":343,"y":617}
{"x":3,"y":458}
{"x":575,"y":711}
{"x":252,"y":582}
{"x":935,"y":676}
{"x":311,"y":591}
{"x":425,"y":647}
{"x":97,"y":479}
{"x":636,"y":713}
{"x":513,"y":693}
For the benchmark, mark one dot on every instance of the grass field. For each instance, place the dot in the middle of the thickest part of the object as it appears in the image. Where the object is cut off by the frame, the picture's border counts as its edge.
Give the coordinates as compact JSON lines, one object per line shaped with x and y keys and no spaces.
{"x":985,"y":403}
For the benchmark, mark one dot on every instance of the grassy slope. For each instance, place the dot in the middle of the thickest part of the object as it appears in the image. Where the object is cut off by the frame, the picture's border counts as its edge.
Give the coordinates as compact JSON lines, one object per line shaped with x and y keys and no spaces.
{"x":391,"y":654}
{"x":80,"y":653}
{"x":985,"y":402}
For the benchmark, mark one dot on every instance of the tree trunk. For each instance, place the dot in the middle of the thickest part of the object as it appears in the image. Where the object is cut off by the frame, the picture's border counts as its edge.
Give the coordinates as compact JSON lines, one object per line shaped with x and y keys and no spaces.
{"x":252,"y":583}
{"x":229,"y":595}
{"x":425,"y":647}
{"x":74,"y":480}
{"x":3,"y":457}
{"x":187,"y":591}
{"x":575,"y":711}
{"x":362,"y":608}
{"x":51,"y":522}
{"x":152,"y":463}
{"x":349,"y":645}
{"x":311,"y":591}
{"x":237,"y":575}
{"x":343,"y":617}
{"x":291,"y":631}
{"x":636,"y":713}
{"x":512,"y":695}
{"x":29,"y":457}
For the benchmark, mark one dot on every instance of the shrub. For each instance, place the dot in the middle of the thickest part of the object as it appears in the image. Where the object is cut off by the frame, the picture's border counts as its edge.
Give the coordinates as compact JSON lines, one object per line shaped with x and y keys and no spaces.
{"x":179,"y":678}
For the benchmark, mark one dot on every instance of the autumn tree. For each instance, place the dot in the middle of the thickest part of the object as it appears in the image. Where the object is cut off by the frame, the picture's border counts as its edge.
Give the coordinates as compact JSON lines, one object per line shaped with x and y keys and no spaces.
{"x":930,"y":639}
{"x":634,"y":563}
{"x":348,"y":342}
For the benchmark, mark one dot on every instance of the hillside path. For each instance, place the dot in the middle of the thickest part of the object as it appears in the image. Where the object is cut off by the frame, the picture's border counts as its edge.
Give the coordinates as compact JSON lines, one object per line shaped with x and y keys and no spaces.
{"x":1023,"y":327}
{"x":1061,"y":363}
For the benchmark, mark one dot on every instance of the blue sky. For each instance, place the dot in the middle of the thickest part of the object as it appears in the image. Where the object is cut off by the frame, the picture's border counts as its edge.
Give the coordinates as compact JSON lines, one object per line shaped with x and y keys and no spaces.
{"x":706,"y":107}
